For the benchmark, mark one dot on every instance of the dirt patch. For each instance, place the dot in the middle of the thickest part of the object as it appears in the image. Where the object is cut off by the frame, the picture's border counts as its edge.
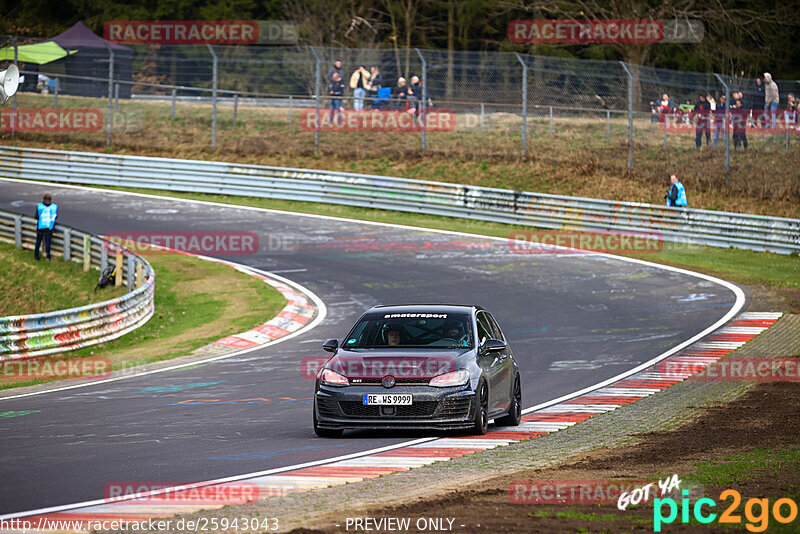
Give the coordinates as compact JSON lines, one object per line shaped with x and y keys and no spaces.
{"x":763,"y":418}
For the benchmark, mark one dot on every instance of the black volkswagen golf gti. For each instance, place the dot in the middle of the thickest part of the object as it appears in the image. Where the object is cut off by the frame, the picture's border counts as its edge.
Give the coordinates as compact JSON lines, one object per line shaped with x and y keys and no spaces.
{"x":419,"y":367}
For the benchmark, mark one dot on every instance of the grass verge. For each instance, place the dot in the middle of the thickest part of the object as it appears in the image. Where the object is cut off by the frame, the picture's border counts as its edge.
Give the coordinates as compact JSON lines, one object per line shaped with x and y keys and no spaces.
{"x":191,"y":312}
{"x":28,"y":286}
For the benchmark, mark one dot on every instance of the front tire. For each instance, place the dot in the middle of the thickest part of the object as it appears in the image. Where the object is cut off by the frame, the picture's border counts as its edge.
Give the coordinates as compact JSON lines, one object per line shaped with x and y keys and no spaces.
{"x":480,"y":424}
{"x":515,"y":409}
{"x":325,"y":432}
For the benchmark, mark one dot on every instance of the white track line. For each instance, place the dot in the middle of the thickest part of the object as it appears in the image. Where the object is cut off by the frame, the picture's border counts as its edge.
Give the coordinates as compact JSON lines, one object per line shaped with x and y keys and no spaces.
{"x":737,"y":306}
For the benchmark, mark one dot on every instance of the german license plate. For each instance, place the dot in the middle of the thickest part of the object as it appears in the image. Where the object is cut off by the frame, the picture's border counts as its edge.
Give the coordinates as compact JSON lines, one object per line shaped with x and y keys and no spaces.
{"x":387,"y":400}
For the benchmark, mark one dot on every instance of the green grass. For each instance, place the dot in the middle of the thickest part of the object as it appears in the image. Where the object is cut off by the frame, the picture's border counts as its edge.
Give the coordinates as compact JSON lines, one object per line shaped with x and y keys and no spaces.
{"x":28,"y":286}
{"x":190,"y":312}
{"x":740,"y":266}
{"x":740,"y":468}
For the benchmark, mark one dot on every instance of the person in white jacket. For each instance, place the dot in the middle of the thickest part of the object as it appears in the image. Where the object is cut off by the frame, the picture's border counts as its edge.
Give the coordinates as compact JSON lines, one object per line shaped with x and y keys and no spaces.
{"x":771,"y":97}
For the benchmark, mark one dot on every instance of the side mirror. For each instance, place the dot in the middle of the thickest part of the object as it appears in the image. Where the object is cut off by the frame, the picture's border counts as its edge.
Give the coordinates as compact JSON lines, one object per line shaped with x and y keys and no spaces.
{"x":331,"y":345}
{"x":494,"y":345}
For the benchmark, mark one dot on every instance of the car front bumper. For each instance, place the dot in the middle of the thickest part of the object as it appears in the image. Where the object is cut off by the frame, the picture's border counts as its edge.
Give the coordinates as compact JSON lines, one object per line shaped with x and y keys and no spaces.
{"x":431,"y":408}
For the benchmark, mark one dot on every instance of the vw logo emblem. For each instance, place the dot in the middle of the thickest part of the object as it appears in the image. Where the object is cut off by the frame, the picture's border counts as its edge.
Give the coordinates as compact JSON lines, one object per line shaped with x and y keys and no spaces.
{"x":388,"y":381}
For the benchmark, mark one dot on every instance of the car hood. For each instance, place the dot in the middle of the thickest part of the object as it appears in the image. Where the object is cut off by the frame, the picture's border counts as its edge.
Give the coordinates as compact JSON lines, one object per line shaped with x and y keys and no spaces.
{"x":403,"y":364}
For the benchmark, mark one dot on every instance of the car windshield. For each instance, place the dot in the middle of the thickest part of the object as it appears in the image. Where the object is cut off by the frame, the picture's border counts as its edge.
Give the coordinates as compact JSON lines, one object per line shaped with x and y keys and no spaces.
{"x":410,"y":330}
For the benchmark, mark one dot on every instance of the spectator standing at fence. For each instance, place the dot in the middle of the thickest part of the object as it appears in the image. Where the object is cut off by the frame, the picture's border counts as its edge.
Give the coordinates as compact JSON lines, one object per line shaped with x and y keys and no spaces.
{"x":336,"y":91}
{"x":677,"y":193}
{"x":758,"y":96}
{"x":719,"y":121}
{"x":335,"y":68}
{"x":46,"y":213}
{"x":375,"y":83}
{"x":359,"y":83}
{"x":771,"y":97}
{"x":739,"y":116}
{"x":415,"y":95}
{"x":789,"y":110}
{"x":400,"y":94}
{"x":700,"y":117}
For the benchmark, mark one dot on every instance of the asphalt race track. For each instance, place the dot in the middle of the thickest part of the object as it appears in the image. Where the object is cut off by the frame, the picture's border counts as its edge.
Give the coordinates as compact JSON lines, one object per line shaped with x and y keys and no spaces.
{"x":572,"y":321}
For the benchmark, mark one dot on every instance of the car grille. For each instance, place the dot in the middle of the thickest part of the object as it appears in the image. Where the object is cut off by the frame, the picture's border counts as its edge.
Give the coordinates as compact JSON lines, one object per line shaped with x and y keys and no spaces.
{"x":455,"y":407}
{"x":418,"y":409}
{"x":327,"y":408}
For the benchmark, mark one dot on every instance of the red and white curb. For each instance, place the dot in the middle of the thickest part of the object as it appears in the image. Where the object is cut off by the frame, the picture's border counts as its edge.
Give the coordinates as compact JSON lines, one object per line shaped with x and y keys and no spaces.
{"x":294,"y":316}
{"x":429,"y":450}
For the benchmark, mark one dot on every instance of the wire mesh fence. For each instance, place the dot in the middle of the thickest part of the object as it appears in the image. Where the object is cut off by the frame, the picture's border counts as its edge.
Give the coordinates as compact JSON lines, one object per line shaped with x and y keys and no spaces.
{"x":256,"y":99}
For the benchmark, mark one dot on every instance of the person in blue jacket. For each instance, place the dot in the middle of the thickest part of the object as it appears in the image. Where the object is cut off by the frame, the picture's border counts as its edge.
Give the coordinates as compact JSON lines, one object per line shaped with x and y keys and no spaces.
{"x":677,"y":193}
{"x":46,"y":213}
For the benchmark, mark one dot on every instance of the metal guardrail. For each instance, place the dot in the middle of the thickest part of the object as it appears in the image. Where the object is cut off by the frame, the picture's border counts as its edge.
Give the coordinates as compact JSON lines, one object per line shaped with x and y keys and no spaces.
{"x":715,"y":228}
{"x":27,"y":336}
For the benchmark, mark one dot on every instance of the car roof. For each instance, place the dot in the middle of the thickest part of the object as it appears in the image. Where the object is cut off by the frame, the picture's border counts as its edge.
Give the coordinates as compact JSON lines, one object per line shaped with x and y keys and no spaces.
{"x":424,"y":308}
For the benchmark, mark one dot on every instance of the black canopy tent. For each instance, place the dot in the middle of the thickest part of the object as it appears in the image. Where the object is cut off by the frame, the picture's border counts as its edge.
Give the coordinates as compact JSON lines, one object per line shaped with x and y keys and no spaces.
{"x":92,"y":60}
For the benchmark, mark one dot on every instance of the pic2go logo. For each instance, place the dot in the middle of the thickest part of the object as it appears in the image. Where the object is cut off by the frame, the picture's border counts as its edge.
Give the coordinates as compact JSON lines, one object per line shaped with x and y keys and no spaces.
{"x":757,"y":521}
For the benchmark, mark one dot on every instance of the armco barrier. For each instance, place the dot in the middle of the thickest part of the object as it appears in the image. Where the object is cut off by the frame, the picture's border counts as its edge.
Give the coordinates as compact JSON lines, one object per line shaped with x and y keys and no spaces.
{"x":694,"y":226}
{"x":26,"y":336}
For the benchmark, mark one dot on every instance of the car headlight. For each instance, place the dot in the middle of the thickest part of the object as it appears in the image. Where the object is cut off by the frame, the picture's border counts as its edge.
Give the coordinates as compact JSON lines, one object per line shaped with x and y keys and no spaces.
{"x":332,"y":378}
{"x":447,"y":380}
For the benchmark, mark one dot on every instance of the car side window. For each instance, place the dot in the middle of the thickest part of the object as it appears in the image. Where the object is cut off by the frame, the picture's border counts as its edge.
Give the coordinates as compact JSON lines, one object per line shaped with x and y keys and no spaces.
{"x":484,"y":329}
{"x":497,"y":333}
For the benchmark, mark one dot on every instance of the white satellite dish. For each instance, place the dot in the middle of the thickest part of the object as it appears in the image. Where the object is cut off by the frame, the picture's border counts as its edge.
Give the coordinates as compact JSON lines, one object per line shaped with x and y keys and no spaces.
{"x":9,"y":81}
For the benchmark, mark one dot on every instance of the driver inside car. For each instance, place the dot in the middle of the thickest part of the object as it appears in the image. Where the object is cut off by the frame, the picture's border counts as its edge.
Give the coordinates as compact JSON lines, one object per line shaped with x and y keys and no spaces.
{"x":393,"y":335}
{"x":455,"y":330}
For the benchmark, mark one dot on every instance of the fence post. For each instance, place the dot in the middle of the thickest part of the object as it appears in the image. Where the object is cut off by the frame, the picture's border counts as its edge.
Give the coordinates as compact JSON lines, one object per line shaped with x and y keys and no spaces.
{"x":118,"y":277}
{"x":14,"y":103}
{"x":666,"y":127}
{"x":129,"y":274}
{"x":67,"y":243}
{"x":317,"y":98}
{"x":87,"y":253}
{"x":608,"y":126}
{"x":235,"y":105}
{"x":551,"y":121}
{"x":291,"y":109}
{"x":55,"y":93}
{"x":483,"y":114}
{"x":424,"y":102}
{"x":103,"y":255}
{"x":524,"y":104}
{"x":726,"y":135}
{"x":174,"y":97}
{"x":213,"y":98}
{"x":17,"y":231}
{"x":110,"y":117}
{"x":630,"y":114}
{"x":138,"y":275}
{"x":116,"y":97}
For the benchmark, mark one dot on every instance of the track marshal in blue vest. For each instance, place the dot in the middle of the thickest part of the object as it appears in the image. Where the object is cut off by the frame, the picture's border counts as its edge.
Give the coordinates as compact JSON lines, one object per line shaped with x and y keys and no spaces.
{"x":677,"y":193}
{"x":46,"y":213}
